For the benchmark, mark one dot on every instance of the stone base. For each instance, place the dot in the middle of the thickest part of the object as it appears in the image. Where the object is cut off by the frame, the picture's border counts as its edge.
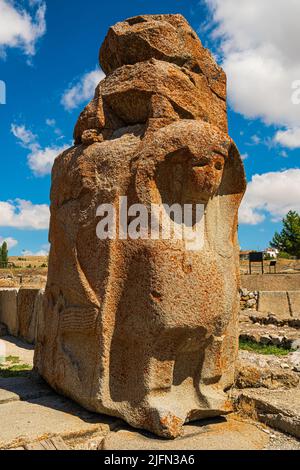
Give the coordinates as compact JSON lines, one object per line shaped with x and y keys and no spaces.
{"x":279,"y":409}
{"x":217,"y":434}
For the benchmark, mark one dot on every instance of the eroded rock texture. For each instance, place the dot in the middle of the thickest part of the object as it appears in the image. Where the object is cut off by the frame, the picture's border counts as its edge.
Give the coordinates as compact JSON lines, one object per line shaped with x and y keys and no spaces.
{"x":146,"y":330}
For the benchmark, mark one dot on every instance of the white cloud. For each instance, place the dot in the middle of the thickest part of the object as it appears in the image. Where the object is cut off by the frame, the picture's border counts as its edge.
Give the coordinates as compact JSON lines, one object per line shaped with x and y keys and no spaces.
{"x":11,"y":242}
{"x":273,"y":193}
{"x":37,"y":253}
{"x":82,"y":91}
{"x":256,"y":140}
{"x":51,"y":122}
{"x":289,"y":138}
{"x":244,"y":156}
{"x":20,"y":27}
{"x":44,"y":251}
{"x":25,"y":136}
{"x":40,"y":160}
{"x":23,"y":214}
{"x":260,"y":50}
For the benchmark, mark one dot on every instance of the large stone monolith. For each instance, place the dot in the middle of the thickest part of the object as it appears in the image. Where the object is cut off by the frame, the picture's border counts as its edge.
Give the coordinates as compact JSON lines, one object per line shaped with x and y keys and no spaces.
{"x":146,"y":329}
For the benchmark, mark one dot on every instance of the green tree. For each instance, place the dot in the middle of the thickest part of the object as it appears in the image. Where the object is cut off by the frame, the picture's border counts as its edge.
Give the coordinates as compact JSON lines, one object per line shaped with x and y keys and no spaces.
{"x":288,"y":240}
{"x":4,"y":255}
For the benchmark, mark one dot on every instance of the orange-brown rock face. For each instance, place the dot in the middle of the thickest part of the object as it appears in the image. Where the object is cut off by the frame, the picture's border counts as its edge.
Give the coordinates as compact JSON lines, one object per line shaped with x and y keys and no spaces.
{"x":146,"y":329}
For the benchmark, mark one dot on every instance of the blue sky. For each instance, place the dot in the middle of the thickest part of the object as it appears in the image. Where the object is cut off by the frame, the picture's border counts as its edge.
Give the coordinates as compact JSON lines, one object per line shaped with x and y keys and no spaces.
{"x":49,"y":62}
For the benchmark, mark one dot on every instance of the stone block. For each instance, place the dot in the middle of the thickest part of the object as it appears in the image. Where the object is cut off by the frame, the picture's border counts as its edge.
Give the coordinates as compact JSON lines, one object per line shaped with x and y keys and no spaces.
{"x":294,"y":299}
{"x":9,"y":310}
{"x":27,"y":310}
{"x":274,"y":302}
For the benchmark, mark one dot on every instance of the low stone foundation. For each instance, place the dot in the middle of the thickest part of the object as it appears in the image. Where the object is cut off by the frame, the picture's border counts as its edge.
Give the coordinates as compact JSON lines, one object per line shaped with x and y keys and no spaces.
{"x":249,"y":299}
{"x":20,"y":310}
{"x":284,"y":305}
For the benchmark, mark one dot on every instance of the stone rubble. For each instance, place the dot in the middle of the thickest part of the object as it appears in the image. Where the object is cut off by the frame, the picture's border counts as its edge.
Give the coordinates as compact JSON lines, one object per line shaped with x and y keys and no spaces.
{"x":266,"y":371}
{"x":279,"y":409}
{"x":248,"y":299}
{"x":262,"y":328}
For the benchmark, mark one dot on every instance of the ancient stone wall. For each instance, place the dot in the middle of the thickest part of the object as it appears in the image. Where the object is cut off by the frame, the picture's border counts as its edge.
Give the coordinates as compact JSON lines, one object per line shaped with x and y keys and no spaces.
{"x":20,"y":310}
{"x":271,"y":282}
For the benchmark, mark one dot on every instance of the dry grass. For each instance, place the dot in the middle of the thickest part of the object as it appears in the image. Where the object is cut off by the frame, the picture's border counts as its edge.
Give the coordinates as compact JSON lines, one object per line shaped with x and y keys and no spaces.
{"x":26,"y":261}
{"x":31,"y":270}
{"x":284,"y":266}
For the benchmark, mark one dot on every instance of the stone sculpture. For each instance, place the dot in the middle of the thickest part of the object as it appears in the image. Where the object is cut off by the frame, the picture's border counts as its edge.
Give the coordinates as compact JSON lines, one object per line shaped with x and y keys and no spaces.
{"x":146,"y":330}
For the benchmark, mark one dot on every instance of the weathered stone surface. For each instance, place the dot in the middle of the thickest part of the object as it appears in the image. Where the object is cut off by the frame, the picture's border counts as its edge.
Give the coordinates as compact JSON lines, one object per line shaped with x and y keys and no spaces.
{"x":164,"y":37}
{"x":27,"y":313}
{"x":38,"y":317}
{"x":294,"y":301}
{"x":54,"y":443}
{"x":20,"y":310}
{"x":3,"y":330}
{"x":271,"y":282}
{"x":159,"y":89}
{"x":227,"y":434}
{"x":9,"y":310}
{"x":21,"y":388}
{"x":23,"y":422}
{"x":157,"y":68}
{"x":295,"y":359}
{"x":274,"y":302}
{"x":277,"y":408}
{"x":149,"y":90}
{"x":255,"y":371}
{"x":145,"y":329}
{"x":281,"y":307}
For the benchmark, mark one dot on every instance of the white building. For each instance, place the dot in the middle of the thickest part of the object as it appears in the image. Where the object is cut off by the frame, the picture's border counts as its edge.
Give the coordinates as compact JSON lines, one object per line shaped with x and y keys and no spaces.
{"x":272,"y":252}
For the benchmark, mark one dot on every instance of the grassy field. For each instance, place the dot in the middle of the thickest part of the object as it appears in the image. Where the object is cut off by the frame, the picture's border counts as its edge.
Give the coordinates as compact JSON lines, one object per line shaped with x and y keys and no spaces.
{"x":267,"y":349}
